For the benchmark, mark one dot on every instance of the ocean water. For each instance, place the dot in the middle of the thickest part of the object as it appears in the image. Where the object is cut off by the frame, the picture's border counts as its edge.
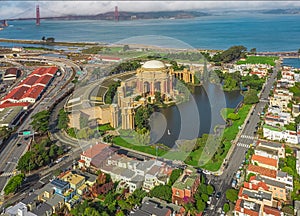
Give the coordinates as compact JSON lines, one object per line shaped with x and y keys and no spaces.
{"x":264,"y":32}
{"x":293,"y":62}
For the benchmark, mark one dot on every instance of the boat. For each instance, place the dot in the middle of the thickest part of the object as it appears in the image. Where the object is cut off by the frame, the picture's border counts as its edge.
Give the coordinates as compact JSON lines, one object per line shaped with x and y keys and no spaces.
{"x":169,"y":133}
{"x":1,"y":29}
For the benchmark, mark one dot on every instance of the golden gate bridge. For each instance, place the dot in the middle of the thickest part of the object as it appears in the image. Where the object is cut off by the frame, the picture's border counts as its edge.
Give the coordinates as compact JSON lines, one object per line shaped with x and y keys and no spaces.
{"x":37,"y":17}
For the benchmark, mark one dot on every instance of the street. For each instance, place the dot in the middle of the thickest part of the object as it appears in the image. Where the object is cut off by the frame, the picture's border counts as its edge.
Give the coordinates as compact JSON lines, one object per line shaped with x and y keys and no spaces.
{"x":223,"y":182}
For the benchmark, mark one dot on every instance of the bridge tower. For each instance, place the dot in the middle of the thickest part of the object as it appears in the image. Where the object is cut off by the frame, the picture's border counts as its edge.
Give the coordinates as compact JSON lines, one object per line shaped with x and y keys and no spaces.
{"x":116,"y":14}
{"x":37,"y":21}
{"x":5,"y":23}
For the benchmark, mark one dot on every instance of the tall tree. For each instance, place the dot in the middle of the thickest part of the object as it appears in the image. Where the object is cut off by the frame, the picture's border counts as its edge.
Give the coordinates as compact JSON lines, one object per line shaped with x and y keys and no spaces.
{"x":63,"y":119}
{"x":40,"y":121}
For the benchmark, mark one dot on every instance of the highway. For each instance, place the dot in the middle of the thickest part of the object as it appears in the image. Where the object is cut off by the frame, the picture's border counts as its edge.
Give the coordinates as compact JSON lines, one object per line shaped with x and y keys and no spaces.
{"x":223,"y":182}
{"x":11,"y":153}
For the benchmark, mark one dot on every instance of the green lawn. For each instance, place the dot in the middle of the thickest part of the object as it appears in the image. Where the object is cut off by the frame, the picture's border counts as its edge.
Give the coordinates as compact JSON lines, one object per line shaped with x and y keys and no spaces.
{"x":141,"y":148}
{"x":105,"y":127}
{"x":259,"y":60}
{"x":229,"y":135}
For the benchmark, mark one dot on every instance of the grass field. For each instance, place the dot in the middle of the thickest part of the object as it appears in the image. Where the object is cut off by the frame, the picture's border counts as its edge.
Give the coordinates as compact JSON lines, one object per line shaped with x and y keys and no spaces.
{"x":229,"y":135}
{"x":259,"y":60}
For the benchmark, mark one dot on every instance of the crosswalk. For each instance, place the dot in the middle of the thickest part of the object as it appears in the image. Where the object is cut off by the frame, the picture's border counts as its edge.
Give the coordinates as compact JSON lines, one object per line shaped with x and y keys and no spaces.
{"x":7,"y":174}
{"x":247,"y":137}
{"x":243,"y":145}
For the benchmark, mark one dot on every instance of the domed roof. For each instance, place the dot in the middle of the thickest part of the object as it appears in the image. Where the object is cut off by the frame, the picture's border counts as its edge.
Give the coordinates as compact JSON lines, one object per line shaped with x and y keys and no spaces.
{"x":153,"y":64}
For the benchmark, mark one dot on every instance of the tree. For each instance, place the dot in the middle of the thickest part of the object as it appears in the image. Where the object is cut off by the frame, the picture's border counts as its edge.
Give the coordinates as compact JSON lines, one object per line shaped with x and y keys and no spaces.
{"x":162,"y":192}
{"x":142,"y":116}
{"x":174,"y":176}
{"x":13,"y":184}
{"x":200,"y":205}
{"x":251,"y":97}
{"x":210,"y":189}
{"x":253,"y":50}
{"x":50,"y":39}
{"x":157,"y":96}
{"x":43,"y":38}
{"x":40,"y":121}
{"x":226,"y":207}
{"x":232,"y":195}
{"x":204,"y":197}
{"x":125,"y":48}
{"x":63,"y":119}
{"x":233,"y":116}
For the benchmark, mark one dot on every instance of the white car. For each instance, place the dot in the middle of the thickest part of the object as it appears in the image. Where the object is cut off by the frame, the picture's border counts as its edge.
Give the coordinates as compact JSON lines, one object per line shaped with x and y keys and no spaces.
{"x":206,"y":172}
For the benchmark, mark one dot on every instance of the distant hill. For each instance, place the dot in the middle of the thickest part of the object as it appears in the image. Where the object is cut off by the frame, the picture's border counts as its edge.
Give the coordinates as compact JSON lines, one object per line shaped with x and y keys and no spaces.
{"x":282,"y":11}
{"x":123,"y":15}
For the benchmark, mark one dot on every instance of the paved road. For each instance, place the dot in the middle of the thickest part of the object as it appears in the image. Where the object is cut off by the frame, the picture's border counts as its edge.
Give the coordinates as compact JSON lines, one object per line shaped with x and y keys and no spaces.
{"x":11,"y":153}
{"x":223,"y":182}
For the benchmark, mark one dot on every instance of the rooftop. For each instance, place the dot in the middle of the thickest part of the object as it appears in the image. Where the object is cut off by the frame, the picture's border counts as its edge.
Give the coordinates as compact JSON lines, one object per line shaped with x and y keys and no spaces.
{"x":270,"y":144}
{"x":264,"y":160}
{"x":187,"y":179}
{"x":58,"y":183}
{"x":73,"y":178}
{"x":248,"y":208}
{"x":153,"y":64}
{"x":42,"y":209}
{"x":262,"y":171}
{"x":258,"y":195}
{"x":94,"y":150}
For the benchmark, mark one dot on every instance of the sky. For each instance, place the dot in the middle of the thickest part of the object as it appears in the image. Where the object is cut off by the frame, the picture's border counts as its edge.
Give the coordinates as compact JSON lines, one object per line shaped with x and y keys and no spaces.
{"x":22,"y":9}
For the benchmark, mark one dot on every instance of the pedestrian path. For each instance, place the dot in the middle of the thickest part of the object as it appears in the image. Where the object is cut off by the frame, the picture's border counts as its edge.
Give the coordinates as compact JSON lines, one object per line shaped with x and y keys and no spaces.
{"x":243,"y":145}
{"x":7,"y":174}
{"x":247,"y":137}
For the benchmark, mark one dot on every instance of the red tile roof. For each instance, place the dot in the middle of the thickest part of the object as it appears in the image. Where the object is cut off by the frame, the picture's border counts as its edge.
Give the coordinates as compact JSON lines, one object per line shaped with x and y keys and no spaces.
{"x":44,"y":79}
{"x":16,"y":93}
{"x":271,"y":211}
{"x":44,"y":70}
{"x":34,"y":92}
{"x":8,"y":104}
{"x":265,"y":160}
{"x":94,"y":150}
{"x":11,"y":71}
{"x":262,"y":171}
{"x":30,"y":81}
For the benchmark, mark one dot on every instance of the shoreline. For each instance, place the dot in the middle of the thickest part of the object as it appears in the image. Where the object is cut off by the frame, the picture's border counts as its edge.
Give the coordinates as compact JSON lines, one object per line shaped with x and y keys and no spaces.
{"x":105,"y":44}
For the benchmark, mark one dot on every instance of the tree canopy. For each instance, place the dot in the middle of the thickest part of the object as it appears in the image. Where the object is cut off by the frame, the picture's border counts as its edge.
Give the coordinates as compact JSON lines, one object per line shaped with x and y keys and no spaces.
{"x":232,"y":195}
{"x":63,"y":119}
{"x":40,"y":121}
{"x":251,"y":97}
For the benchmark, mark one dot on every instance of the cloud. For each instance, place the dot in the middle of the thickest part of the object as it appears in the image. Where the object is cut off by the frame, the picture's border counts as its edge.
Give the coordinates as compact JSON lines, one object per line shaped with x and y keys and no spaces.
{"x":12,"y":9}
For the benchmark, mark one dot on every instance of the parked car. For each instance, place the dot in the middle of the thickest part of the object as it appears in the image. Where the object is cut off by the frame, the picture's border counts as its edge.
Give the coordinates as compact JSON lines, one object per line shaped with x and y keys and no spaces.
{"x":234,"y":182}
{"x":218,"y":195}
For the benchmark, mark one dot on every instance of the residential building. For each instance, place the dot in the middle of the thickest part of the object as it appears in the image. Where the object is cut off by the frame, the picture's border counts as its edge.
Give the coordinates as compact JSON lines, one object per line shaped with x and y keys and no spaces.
{"x":185,"y":186}
{"x":272,"y":174}
{"x":87,"y":156}
{"x":298,"y":161}
{"x":271,"y":147}
{"x":281,"y":134}
{"x":266,"y":162}
{"x":246,"y":208}
{"x":277,"y":188}
{"x":281,"y":98}
{"x":20,"y":209}
{"x":277,"y":119}
{"x":74,"y":179}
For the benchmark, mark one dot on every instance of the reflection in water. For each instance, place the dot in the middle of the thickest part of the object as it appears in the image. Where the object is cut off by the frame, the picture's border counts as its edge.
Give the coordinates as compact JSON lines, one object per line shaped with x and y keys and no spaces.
{"x":193,"y":118}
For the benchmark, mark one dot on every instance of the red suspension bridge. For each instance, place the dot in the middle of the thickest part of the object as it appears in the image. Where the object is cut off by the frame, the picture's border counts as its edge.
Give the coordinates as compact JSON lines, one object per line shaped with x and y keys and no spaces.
{"x":37,"y":17}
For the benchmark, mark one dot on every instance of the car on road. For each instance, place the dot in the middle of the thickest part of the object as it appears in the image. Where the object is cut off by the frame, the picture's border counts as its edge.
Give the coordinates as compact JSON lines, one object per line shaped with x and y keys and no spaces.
{"x":206,"y":172}
{"x":234,"y":183}
{"x":218,"y":195}
{"x":19,"y":144}
{"x":1,"y":172}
